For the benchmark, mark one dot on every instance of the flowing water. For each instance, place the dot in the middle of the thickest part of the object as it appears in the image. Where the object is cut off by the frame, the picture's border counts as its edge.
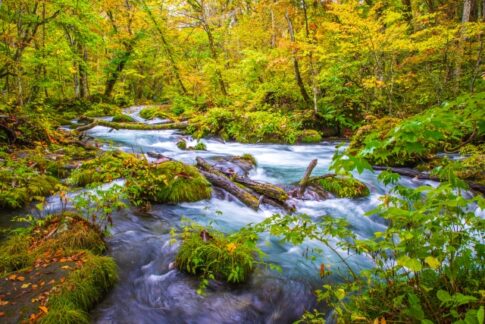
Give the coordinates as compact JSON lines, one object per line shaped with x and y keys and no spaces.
{"x":149,"y":291}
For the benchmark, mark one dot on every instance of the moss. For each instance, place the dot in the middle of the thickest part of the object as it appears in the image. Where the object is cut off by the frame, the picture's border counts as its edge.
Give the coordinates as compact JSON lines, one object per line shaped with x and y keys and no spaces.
{"x":105,"y":168}
{"x":82,"y":289}
{"x":152,"y":112}
{"x":310,"y":136}
{"x":182,"y":144}
{"x":344,"y":187}
{"x":473,"y":169}
{"x":229,"y":258}
{"x":14,"y":254}
{"x":168,"y":182}
{"x":121,"y":118}
{"x":20,"y":184}
{"x":249,"y":158}
{"x":199,"y":147}
{"x":103,"y":109}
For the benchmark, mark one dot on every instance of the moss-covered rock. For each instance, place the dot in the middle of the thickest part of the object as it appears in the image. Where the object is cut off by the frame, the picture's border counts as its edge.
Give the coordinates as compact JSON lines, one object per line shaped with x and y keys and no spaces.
{"x":59,"y":259}
{"x":122,"y":118}
{"x":182,"y":144}
{"x":21,"y":184}
{"x":167,"y":182}
{"x":162,"y":112}
{"x":343,"y":186}
{"x":108,"y":166}
{"x":103,"y":109}
{"x":208,"y":252}
{"x":200,"y":146}
{"x":309,"y":136}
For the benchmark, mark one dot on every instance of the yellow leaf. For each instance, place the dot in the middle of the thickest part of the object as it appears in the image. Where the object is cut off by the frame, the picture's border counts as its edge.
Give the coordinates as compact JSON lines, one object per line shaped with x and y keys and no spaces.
{"x":44,"y":309}
{"x":231,"y":247}
{"x":432,"y":262}
{"x":25,"y":285}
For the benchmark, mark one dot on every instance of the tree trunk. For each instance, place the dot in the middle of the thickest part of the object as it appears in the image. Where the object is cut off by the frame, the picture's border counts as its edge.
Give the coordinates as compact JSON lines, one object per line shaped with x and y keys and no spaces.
{"x":296,"y":67}
{"x":467,"y":9}
{"x":83,"y":73}
{"x":114,"y":74}
{"x":167,"y":48}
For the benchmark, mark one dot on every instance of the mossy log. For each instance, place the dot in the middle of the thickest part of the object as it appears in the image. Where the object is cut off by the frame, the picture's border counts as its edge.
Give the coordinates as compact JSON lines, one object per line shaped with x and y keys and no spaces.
{"x":408,"y":172}
{"x":267,"y":189}
{"x":133,"y":126}
{"x":220,"y":180}
{"x":250,"y":192}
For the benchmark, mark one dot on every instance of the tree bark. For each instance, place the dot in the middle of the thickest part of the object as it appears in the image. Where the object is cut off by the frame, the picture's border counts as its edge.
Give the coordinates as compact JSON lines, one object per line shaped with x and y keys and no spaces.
{"x":467,"y":9}
{"x":296,"y":66}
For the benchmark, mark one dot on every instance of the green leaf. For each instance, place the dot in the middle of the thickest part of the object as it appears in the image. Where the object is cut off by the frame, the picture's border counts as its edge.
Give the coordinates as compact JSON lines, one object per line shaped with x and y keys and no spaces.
{"x":443,"y":296}
{"x":412,"y":264}
{"x":480,"y":315}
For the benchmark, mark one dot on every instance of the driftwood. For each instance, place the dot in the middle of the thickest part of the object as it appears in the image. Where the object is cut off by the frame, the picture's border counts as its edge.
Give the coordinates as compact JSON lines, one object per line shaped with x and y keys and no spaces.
{"x":305,"y":180}
{"x":425,"y":176}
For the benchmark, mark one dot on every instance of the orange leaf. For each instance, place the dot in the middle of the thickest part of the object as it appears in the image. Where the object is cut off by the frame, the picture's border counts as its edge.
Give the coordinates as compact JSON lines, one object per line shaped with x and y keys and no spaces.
{"x":44,"y":309}
{"x":322,"y":270}
{"x":2,"y":314}
{"x":20,"y":278}
{"x":12,"y":277}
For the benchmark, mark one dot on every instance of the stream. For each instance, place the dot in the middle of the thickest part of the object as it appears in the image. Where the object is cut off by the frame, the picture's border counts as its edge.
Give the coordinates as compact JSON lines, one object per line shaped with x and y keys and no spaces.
{"x":149,"y":291}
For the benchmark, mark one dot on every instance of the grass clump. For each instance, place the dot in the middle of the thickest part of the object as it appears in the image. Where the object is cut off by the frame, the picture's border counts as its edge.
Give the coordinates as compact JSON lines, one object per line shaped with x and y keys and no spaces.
{"x":168,"y":182}
{"x":105,"y":168}
{"x":344,"y":187}
{"x":249,"y":158}
{"x":122,"y":118}
{"x":83,"y":288}
{"x":213,"y":255}
{"x":309,"y":136}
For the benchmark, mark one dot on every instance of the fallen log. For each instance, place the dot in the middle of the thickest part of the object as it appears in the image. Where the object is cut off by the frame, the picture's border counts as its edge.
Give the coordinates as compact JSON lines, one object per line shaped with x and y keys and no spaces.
{"x":222,"y":181}
{"x":305,"y":180}
{"x":133,"y":126}
{"x":262,"y":192}
{"x":426,"y":176}
{"x":267,"y":189}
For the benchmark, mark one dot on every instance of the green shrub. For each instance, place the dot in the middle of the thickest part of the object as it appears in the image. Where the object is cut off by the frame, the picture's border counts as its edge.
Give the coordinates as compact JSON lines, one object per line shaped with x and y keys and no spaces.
{"x":168,"y":182}
{"x":249,"y":127}
{"x":212,"y":254}
{"x":122,"y":118}
{"x":344,"y":187}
